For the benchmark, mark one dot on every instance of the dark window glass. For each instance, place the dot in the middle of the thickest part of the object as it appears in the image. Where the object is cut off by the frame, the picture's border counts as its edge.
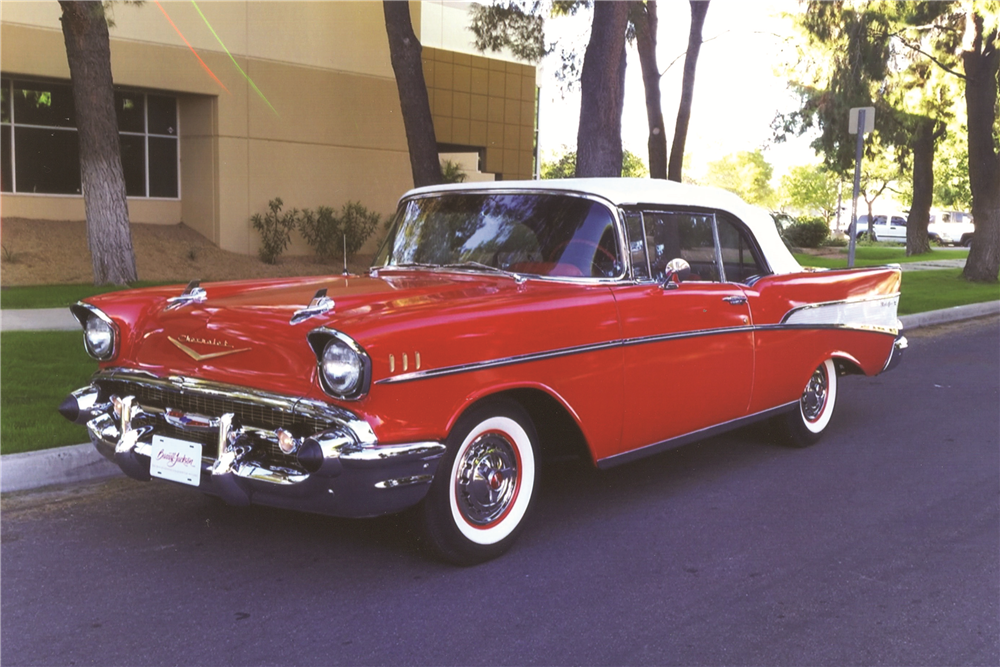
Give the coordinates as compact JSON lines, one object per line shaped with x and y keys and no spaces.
{"x":6,"y":176}
{"x":131,"y":112}
{"x":687,"y":236}
{"x":48,"y":161}
{"x":5,"y":104}
{"x":539,"y":234}
{"x":43,"y":104}
{"x":738,"y":257}
{"x":162,"y":114}
{"x":134,"y":164}
{"x":162,"y":167}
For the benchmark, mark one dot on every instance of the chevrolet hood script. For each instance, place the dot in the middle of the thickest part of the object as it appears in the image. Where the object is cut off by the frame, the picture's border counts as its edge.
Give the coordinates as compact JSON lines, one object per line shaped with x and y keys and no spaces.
{"x":202,"y":357}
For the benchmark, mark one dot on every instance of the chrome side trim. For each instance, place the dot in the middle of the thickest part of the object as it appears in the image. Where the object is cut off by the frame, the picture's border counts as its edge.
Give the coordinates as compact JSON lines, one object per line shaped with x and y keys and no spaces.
{"x":657,"y":338}
{"x":388,"y":452}
{"x":619,"y":342}
{"x":694,"y":436}
{"x":404,"y":481}
{"x":869,"y":328}
{"x":554,"y":354}
{"x":858,"y":312}
{"x":496,"y":363}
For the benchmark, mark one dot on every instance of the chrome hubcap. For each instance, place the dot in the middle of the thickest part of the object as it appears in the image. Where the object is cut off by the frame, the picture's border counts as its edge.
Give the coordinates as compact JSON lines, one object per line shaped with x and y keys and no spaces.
{"x":487,"y":479}
{"x":814,"y":397}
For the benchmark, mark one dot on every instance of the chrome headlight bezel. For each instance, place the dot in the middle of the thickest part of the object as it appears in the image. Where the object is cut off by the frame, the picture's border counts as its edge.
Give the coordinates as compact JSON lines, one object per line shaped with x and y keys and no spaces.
{"x":89,"y":316}
{"x":323,"y":339}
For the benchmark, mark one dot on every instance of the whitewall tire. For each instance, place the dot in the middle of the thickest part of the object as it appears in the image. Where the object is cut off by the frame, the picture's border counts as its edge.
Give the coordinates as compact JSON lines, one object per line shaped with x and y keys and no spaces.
{"x":484,"y":485}
{"x":804,"y":425}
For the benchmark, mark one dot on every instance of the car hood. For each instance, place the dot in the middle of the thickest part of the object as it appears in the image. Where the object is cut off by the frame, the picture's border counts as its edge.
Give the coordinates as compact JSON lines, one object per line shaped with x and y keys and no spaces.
{"x":242,"y":332}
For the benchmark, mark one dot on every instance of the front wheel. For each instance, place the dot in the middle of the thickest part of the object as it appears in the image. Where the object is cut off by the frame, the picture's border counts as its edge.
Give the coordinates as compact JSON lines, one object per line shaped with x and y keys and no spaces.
{"x":484,"y":486}
{"x":804,"y":425}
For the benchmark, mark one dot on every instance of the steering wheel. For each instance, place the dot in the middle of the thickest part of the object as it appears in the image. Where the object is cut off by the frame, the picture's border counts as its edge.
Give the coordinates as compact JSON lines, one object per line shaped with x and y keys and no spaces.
{"x":557,"y":252}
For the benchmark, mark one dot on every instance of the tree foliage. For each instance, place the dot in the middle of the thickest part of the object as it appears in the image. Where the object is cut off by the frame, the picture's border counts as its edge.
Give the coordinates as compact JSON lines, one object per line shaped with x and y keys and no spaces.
{"x":748,"y":174}
{"x":914,"y":62}
{"x":951,"y":172}
{"x":565,"y":166}
{"x":810,"y":190}
{"x":511,"y":26}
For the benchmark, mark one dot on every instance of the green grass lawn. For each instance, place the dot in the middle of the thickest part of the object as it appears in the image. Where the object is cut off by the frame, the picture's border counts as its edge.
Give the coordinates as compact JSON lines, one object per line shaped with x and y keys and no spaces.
{"x":944,"y":288}
{"x":38,"y":369}
{"x":876,"y":256}
{"x":59,"y":296}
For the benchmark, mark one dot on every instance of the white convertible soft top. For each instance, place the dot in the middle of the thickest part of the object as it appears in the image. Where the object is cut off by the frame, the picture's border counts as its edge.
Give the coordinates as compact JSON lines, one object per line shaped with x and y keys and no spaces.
{"x":638,"y":191}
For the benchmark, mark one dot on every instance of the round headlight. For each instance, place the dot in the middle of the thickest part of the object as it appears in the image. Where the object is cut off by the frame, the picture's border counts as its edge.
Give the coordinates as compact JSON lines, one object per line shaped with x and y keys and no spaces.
{"x":99,"y":337}
{"x":342,"y":368}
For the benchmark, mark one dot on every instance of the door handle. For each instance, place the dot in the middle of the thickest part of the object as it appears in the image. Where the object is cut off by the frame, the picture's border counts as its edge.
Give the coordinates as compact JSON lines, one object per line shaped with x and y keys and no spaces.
{"x":735,"y":300}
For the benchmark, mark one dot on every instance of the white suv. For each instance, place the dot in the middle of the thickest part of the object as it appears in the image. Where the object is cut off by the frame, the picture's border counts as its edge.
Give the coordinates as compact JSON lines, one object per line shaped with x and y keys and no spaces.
{"x":891,"y":228}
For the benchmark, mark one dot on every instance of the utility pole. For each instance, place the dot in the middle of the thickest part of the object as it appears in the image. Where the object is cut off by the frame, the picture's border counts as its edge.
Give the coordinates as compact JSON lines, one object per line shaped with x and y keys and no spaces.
{"x":860,"y":122}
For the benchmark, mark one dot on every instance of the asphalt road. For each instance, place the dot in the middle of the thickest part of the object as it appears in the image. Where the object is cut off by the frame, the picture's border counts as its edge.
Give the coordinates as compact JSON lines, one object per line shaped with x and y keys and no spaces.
{"x":878,"y":546}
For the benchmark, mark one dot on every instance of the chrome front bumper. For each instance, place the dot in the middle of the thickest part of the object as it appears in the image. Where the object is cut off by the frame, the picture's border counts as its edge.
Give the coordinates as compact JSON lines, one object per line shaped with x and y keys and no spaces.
{"x":340,"y":470}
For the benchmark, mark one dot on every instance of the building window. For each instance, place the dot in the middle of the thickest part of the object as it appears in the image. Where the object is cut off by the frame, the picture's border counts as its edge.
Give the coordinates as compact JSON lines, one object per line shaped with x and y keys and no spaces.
{"x":40,"y":150}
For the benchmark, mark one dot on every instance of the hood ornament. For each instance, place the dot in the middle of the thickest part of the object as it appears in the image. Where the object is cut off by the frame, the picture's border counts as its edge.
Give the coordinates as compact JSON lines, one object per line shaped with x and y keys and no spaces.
{"x":197,"y":356}
{"x":319,"y":305}
{"x":192,"y":294}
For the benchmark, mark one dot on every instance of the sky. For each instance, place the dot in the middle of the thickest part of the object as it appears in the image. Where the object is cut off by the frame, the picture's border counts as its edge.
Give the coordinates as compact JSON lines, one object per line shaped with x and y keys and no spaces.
{"x":738,"y":86}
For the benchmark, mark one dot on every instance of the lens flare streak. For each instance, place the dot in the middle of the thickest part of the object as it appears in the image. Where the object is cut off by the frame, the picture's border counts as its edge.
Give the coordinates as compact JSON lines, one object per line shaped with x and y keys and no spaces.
{"x":249,"y":80}
{"x":178,"y":31}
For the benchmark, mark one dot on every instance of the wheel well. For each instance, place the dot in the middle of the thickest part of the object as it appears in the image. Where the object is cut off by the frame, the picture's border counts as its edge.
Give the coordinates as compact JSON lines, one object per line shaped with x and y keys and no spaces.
{"x":559,"y":436}
{"x":847,"y":367}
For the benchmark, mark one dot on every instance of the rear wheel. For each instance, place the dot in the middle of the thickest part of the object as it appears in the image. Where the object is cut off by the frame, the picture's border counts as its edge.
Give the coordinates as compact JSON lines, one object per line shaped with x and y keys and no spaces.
{"x":484,"y":486}
{"x":804,"y":425}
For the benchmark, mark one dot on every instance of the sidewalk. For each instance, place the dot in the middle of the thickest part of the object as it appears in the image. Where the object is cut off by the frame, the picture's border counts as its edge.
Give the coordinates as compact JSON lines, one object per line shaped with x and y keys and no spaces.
{"x":79,"y":463}
{"x":38,"y":319}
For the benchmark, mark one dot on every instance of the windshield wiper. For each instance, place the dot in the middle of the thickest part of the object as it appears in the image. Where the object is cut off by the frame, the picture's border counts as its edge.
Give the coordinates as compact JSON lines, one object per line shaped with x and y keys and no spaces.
{"x":479,"y":266}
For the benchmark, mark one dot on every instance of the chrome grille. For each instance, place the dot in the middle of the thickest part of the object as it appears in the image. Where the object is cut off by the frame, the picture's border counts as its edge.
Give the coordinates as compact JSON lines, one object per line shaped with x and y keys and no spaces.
{"x":248,"y":413}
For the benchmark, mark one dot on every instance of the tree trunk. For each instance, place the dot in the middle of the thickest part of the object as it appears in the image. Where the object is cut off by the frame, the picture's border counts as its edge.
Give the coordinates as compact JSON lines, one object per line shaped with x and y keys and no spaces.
{"x":602,"y":89}
{"x":699,"y":8}
{"x":645,"y":40}
{"x":404,"y":53}
{"x":922,"y":145}
{"x":88,"y":50}
{"x":982,"y":64}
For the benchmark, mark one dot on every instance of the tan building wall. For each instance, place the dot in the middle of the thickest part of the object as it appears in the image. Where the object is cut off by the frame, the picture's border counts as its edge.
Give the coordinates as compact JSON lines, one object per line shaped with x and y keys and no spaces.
{"x":329,"y":130}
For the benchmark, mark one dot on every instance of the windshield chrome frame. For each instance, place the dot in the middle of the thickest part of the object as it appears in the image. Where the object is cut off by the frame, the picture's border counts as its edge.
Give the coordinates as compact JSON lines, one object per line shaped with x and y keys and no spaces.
{"x":624,"y":259}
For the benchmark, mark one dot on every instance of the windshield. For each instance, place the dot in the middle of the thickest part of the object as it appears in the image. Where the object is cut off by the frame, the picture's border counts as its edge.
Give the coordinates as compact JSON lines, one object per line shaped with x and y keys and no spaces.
{"x":526,"y":233}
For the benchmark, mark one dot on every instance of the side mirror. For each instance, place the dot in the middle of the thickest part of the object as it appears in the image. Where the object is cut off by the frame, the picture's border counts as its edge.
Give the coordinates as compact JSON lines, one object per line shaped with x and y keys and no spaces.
{"x":676,"y":270}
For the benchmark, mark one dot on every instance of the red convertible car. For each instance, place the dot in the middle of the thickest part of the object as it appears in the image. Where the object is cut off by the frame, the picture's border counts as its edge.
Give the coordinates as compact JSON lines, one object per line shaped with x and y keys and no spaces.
{"x":499,"y":324}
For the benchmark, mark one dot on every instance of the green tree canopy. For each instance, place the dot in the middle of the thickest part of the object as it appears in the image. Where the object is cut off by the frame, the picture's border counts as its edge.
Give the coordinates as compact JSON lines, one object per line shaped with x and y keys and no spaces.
{"x":809,"y":190}
{"x":565,"y":166}
{"x":747,"y":174}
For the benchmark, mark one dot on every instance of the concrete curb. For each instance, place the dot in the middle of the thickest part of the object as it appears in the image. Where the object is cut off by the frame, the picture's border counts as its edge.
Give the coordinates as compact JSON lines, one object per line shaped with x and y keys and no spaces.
{"x":62,"y":465}
{"x":955,"y":314}
{"x":80,"y":463}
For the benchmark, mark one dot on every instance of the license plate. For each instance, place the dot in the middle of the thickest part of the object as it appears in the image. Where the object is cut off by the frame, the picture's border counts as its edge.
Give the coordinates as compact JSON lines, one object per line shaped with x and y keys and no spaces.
{"x":176,"y":460}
